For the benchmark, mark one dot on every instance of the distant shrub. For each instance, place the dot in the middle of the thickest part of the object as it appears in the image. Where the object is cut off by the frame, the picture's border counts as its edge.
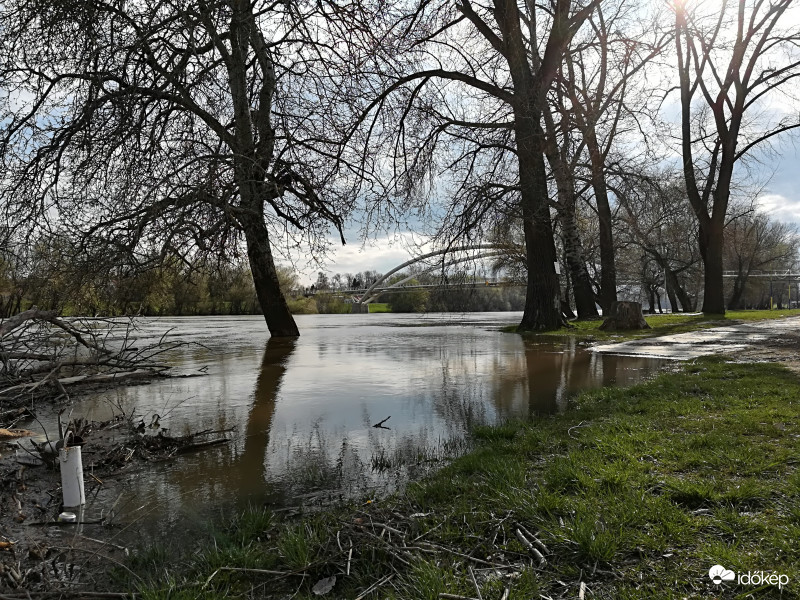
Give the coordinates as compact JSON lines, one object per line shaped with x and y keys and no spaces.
{"x":302,"y":306}
{"x":329,"y":304}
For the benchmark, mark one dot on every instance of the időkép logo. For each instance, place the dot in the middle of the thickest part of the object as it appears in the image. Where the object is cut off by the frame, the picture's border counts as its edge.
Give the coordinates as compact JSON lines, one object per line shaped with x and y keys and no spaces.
{"x":720,"y":574}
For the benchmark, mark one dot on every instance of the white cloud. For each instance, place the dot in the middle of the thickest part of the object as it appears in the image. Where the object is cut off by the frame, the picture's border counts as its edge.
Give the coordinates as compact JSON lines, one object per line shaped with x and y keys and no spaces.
{"x":780,"y":207}
{"x":381,"y":254}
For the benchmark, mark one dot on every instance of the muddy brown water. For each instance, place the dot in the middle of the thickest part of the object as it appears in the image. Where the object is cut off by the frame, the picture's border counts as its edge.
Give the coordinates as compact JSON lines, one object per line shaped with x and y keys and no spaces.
{"x":303,"y":410}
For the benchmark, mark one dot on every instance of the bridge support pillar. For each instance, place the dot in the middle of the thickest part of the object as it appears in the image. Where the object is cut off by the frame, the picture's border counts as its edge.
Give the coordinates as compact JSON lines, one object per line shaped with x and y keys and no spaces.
{"x":359,"y":309}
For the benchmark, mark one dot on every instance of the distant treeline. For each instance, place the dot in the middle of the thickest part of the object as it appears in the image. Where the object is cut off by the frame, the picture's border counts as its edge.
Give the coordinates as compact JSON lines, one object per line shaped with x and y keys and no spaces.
{"x":53,"y":279}
{"x":173,"y":288}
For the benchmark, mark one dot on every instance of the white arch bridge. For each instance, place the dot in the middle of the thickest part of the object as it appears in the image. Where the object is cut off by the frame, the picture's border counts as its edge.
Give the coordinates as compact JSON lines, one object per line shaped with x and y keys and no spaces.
{"x":364,"y":296}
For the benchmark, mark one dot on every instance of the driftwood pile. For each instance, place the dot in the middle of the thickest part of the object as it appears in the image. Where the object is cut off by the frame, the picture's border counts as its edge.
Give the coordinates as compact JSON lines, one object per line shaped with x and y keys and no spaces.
{"x":43,"y":355}
{"x":160,"y":447}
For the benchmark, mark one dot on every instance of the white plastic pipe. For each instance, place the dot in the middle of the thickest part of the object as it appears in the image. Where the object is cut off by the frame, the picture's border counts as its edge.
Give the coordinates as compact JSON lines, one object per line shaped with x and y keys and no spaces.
{"x":71,"y":465}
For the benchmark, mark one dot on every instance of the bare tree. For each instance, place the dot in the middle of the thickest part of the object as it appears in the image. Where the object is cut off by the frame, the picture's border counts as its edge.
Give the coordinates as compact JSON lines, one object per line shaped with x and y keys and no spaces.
{"x":754,"y":242}
{"x":604,"y":78}
{"x":564,"y":160}
{"x":177,"y":127}
{"x":656,"y":220}
{"x":503,"y":57}
{"x":734,"y":58}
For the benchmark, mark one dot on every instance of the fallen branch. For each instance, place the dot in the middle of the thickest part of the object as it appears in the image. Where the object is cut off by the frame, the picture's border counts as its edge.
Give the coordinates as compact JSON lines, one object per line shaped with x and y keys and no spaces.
{"x":374,"y":587}
{"x":201,"y":445}
{"x":533,"y":550}
{"x":14,"y":322}
{"x":379,"y":424}
{"x":41,"y":353}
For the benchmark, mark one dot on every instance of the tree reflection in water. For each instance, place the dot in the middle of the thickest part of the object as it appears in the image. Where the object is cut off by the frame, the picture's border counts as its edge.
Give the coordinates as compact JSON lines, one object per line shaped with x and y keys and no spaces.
{"x":243,"y":472}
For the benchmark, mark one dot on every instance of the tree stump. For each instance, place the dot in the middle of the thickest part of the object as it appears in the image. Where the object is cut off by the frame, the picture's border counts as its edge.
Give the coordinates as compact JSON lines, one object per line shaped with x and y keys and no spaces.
{"x":623,"y":316}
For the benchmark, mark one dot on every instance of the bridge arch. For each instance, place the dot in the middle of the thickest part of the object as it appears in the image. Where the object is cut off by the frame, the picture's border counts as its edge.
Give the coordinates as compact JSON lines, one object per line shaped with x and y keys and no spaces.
{"x":375,"y":289}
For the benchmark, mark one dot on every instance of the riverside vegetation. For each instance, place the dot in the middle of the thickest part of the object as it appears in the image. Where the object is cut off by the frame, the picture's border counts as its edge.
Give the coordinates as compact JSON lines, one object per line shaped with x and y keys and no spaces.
{"x":664,"y":324}
{"x":633,"y":493}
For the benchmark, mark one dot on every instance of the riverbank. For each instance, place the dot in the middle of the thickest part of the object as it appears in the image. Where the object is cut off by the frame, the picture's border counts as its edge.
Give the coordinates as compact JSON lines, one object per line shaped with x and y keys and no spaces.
{"x":660,"y":325}
{"x":634,"y":493}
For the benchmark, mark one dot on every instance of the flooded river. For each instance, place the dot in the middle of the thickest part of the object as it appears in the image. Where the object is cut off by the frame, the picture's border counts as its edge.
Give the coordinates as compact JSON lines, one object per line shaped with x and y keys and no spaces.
{"x":303,"y":410}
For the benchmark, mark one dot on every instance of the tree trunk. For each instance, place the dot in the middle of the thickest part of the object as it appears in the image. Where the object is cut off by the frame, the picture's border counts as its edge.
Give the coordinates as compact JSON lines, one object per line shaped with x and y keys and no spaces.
{"x":566,"y":309}
{"x":566,"y":295}
{"x":265,"y":278}
{"x":567,"y":216}
{"x":541,"y":300}
{"x":608,"y":268}
{"x":542,"y":311}
{"x":673,"y":299}
{"x":579,"y":275}
{"x":676,"y":287}
{"x":530,"y":89}
{"x":624,"y":316}
{"x":711,"y":242}
{"x":738,"y":289}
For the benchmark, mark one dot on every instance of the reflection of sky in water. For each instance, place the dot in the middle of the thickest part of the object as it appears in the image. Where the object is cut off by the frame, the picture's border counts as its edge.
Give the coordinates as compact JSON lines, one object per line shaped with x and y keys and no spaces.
{"x":304,"y":409}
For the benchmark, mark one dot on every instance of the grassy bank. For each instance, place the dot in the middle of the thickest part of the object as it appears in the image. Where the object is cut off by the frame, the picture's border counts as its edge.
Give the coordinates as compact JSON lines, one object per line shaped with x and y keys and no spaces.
{"x":665,"y":324}
{"x":379,"y":307}
{"x":634,"y":493}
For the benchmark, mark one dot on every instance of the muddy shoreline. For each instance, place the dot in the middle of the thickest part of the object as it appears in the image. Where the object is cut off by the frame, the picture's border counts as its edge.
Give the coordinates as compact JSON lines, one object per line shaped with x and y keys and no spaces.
{"x":38,"y":553}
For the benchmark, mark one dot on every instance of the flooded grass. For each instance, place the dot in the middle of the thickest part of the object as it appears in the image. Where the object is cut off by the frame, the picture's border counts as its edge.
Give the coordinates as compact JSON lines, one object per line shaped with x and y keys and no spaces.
{"x":410,"y":456}
{"x":662,"y":324}
{"x":634,"y":493}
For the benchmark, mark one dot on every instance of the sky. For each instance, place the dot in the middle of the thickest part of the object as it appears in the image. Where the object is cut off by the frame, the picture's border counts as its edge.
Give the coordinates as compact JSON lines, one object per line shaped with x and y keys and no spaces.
{"x":781,"y":198}
{"x":380,"y":254}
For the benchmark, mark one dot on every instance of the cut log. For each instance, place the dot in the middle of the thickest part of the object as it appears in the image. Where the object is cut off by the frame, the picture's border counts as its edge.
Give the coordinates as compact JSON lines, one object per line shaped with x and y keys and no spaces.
{"x":624,"y":316}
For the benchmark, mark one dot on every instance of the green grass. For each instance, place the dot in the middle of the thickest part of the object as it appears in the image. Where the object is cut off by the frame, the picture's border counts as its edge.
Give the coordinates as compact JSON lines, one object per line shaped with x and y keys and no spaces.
{"x":636,"y":492}
{"x":663,"y":324}
{"x":379,"y":307}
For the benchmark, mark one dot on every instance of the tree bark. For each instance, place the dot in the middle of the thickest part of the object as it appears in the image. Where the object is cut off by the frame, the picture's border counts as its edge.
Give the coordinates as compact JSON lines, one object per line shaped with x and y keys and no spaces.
{"x":738,"y":290}
{"x":265,"y":278}
{"x":566,"y":307}
{"x":608,"y":268}
{"x":711,"y":244}
{"x":673,"y":299}
{"x":579,"y":275}
{"x":676,"y":287}
{"x":542,"y":298}
{"x":565,"y":185}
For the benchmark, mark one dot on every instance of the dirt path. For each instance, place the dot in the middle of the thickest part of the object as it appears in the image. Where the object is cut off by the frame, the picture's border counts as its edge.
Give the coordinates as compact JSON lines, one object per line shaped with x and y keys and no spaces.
{"x":775,"y":340}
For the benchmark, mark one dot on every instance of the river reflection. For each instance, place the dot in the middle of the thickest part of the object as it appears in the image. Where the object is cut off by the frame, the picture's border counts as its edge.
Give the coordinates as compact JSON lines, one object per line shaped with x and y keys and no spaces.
{"x":304,"y":409}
